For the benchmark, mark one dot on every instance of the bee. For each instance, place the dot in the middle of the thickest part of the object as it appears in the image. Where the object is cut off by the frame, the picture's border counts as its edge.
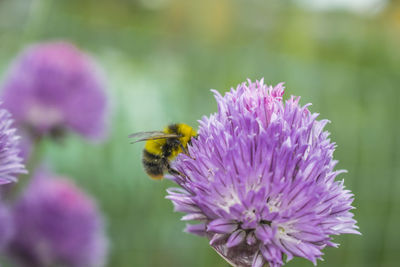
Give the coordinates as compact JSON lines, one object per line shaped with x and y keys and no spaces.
{"x":162,"y":147}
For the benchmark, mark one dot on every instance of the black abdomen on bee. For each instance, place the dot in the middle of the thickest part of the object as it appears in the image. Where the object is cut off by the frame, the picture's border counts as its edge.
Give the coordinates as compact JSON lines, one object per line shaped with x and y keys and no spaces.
{"x":154,"y":165}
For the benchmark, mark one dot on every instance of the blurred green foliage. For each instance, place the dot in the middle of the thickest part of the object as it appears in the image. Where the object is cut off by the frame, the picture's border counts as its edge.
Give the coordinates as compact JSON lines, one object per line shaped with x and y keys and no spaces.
{"x":161,"y":57}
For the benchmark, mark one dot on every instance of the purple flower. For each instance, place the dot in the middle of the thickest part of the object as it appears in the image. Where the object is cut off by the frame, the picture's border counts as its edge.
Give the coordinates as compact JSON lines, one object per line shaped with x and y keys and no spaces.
{"x":6,"y":226}
{"x":52,"y":87}
{"x":260,"y":179}
{"x":56,"y":224}
{"x":10,"y":160}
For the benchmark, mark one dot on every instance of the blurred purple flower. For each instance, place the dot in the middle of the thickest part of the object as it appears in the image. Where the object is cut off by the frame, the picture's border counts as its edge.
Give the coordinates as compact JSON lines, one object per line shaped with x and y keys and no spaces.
{"x":10,"y":160}
{"x":54,"y":86}
{"x":57,"y":225}
{"x":6,"y":225}
{"x":26,"y":147}
{"x":260,"y":179}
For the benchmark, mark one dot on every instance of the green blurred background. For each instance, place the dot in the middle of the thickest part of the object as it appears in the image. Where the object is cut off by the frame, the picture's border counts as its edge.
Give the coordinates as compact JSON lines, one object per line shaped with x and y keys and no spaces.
{"x":161,"y":57}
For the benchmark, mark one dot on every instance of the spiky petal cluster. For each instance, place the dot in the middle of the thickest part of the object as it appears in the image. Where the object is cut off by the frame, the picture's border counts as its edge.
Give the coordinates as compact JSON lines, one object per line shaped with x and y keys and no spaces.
{"x":56,"y":224}
{"x":54,"y":86}
{"x":260,"y":179}
{"x":10,"y":161}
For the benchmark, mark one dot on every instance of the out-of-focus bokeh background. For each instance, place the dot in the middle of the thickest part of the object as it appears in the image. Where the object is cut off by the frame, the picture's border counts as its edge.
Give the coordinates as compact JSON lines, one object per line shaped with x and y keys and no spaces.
{"x":161,"y":57}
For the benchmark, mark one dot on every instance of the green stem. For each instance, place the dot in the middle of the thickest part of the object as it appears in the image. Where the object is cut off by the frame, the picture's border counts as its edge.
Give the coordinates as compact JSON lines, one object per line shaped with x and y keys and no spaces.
{"x":34,"y":159}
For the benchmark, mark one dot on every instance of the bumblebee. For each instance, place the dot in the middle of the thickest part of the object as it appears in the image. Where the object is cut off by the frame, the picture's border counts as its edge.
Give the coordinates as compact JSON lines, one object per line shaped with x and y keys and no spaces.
{"x":162,"y":147}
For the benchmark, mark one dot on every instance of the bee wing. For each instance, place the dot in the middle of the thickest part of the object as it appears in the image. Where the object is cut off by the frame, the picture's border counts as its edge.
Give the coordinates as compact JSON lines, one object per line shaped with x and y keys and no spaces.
{"x":144,"y":136}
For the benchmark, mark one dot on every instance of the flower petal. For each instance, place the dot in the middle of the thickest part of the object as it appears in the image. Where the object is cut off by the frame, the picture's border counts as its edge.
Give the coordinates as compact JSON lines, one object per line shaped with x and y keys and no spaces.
{"x":222,"y":226}
{"x":236,"y":238}
{"x":197,"y":229}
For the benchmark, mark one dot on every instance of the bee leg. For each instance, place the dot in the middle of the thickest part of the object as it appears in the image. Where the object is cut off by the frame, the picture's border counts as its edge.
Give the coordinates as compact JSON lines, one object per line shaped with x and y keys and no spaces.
{"x":175,"y":172}
{"x":185,"y":151}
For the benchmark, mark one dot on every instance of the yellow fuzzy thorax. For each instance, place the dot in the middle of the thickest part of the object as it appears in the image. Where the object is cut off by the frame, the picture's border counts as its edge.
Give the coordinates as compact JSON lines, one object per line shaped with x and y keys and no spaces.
{"x":155,"y":146}
{"x":185,"y":131}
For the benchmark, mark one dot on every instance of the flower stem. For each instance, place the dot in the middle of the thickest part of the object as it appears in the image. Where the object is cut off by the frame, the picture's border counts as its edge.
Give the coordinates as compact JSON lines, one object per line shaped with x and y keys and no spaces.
{"x":34,"y":159}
